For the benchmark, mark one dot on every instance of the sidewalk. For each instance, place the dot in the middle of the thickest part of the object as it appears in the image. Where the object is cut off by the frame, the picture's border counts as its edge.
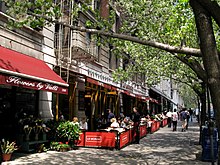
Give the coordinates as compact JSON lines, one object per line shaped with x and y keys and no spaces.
{"x":163,"y":147}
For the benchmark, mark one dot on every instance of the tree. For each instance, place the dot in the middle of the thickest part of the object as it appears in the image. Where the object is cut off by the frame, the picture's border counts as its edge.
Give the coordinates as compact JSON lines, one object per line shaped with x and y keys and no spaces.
{"x":165,"y":25}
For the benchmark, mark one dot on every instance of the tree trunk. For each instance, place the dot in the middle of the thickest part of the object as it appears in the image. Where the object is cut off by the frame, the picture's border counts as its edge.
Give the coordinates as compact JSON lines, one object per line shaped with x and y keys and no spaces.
{"x":209,"y":55}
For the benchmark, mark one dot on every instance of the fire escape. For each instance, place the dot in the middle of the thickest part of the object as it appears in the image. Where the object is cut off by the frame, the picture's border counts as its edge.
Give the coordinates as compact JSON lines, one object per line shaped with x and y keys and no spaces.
{"x":73,"y":49}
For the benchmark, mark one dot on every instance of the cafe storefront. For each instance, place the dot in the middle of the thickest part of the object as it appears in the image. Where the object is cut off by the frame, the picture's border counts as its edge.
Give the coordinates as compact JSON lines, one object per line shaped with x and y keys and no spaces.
{"x":26,"y":86}
{"x":98,"y":98}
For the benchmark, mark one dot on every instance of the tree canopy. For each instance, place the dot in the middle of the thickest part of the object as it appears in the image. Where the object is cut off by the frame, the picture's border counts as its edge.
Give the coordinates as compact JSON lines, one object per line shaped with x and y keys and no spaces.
{"x":145,"y":25}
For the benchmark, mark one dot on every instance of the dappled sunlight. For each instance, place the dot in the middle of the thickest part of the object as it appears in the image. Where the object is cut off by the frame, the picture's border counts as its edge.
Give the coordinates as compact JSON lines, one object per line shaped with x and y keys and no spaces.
{"x":163,"y":147}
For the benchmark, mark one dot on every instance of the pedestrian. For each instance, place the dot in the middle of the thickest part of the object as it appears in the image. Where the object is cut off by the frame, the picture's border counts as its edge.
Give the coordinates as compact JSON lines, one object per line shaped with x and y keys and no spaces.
{"x":183,"y":118}
{"x":174,"y":119}
{"x":136,"y":117}
{"x":109,"y":117}
{"x":197,"y":114}
{"x":187,"y":119}
{"x":191,"y":114}
{"x":169,"y":118}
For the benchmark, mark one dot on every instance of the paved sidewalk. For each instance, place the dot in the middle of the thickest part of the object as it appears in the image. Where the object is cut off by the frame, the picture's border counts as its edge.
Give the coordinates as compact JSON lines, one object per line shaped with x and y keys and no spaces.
{"x":163,"y":147}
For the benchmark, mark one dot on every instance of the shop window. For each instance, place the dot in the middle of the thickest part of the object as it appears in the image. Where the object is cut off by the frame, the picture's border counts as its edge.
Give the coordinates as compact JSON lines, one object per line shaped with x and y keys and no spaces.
{"x":26,"y":101}
{"x":16,"y":104}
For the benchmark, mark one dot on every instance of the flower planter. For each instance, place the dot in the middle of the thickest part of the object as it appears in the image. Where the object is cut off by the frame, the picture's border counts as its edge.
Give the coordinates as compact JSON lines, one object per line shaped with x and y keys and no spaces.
{"x":36,"y":137}
{"x":6,"y":157}
{"x":27,"y":137}
{"x":44,"y":136}
{"x":64,"y":149}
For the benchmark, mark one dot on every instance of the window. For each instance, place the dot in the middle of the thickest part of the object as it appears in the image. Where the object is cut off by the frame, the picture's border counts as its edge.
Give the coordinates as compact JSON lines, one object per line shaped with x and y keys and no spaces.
{"x":3,"y":8}
{"x":95,"y":4}
{"x":113,"y":59}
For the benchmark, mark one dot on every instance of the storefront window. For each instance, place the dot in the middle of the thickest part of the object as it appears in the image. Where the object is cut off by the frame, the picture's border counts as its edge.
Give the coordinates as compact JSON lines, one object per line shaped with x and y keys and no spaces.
{"x":26,"y":101}
{"x":15,"y":101}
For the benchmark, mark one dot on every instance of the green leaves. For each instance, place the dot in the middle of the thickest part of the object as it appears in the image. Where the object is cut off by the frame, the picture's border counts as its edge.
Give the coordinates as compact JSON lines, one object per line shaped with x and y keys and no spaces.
{"x":68,"y":131}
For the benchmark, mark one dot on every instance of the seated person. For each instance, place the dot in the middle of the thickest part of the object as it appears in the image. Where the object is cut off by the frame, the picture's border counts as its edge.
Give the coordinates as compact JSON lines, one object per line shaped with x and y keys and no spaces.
{"x":124,"y":123}
{"x":83,"y":124}
{"x":100,"y":122}
{"x":75,"y":121}
{"x":114,"y":123}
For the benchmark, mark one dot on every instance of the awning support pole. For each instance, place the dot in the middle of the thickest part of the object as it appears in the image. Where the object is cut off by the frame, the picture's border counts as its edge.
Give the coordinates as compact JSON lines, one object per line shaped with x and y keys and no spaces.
{"x":57,"y":107}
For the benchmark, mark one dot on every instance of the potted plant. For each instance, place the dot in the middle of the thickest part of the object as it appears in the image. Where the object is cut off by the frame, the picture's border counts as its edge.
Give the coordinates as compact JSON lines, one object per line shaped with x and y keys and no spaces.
{"x":7,"y":148}
{"x":59,"y":146}
{"x":68,"y":132}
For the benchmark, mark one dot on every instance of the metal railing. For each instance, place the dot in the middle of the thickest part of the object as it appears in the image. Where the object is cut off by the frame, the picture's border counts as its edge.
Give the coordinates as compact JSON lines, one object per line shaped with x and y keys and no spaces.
{"x":79,"y":46}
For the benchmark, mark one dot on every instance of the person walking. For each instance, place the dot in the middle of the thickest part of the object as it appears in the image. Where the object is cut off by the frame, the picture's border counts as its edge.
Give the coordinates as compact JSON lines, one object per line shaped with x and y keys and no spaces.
{"x":187,"y":119}
{"x":174,"y":119}
{"x":136,"y":117}
{"x":169,"y":118}
{"x":197,"y":114}
{"x":191,"y":114}
{"x":183,"y":118}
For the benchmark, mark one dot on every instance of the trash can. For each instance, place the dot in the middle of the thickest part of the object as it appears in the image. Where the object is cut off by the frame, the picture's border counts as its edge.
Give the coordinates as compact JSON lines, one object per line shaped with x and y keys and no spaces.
{"x":206,"y":144}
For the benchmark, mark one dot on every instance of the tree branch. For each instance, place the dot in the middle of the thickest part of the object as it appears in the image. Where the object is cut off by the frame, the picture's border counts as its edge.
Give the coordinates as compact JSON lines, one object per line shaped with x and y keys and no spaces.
{"x":213,"y":8}
{"x":195,"y":66}
{"x":173,"y":49}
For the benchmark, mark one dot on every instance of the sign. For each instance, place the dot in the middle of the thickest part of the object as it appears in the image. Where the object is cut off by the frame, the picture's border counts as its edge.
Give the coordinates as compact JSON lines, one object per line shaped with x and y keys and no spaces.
{"x":26,"y":83}
{"x":105,"y":78}
{"x":99,"y":76}
{"x":100,"y":139}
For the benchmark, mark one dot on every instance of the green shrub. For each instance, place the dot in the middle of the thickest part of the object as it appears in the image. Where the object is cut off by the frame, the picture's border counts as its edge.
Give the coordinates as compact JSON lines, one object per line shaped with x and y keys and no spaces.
{"x":68,"y":131}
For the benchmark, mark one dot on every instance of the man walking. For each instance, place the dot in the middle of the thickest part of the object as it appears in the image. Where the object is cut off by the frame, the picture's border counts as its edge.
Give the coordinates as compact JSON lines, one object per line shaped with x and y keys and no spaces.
{"x":136,"y":119}
{"x":183,"y":118}
{"x":174,"y":119}
{"x":191,"y":114}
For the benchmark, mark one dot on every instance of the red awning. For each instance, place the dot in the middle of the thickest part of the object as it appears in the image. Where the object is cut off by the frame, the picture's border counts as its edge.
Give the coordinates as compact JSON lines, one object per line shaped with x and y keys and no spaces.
{"x":17,"y":69}
{"x":98,"y":83}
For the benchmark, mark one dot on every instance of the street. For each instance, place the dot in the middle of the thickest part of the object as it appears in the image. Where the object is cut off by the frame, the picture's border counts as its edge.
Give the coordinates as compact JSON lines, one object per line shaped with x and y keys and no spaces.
{"x":163,"y":147}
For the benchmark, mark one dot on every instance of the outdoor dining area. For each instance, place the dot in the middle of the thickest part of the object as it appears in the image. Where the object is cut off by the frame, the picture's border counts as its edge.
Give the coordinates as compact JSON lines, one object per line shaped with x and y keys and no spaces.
{"x":35,"y":135}
{"x":117,"y":138}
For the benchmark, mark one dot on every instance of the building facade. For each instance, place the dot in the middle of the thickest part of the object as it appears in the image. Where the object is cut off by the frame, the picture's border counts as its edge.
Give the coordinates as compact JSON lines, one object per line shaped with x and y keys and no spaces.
{"x":27,"y":79}
{"x":72,"y":74}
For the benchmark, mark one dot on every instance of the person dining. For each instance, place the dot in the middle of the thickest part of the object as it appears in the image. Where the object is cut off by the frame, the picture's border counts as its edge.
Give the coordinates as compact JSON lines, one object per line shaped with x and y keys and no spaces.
{"x":83,"y":124}
{"x":114,"y":123}
{"x":75,"y":121}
